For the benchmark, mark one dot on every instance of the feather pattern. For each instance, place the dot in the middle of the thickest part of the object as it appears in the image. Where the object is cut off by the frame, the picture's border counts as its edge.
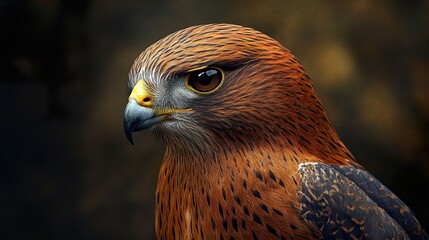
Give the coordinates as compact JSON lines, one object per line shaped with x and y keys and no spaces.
{"x":349,"y":203}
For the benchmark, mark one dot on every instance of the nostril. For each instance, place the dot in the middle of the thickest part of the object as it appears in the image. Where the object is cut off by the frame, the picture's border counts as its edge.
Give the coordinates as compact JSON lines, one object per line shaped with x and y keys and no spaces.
{"x":146,"y":100}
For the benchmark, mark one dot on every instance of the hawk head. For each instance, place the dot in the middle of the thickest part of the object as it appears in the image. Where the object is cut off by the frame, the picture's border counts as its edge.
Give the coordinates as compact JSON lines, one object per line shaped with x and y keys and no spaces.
{"x":213,"y":85}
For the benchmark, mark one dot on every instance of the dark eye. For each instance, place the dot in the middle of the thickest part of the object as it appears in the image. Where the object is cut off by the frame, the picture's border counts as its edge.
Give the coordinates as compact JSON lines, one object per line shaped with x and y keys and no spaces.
{"x":205,"y":81}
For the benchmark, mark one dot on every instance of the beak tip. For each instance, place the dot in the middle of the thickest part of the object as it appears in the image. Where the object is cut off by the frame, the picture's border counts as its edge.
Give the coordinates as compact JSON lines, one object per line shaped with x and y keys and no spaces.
{"x":128,"y":133}
{"x":130,"y":138}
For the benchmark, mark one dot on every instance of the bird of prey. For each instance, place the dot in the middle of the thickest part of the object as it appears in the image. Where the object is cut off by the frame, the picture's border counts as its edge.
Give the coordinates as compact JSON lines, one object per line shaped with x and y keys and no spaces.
{"x":250,"y":153}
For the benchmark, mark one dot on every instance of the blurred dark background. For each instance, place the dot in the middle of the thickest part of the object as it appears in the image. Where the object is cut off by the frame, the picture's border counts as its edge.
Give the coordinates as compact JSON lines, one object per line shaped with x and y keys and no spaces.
{"x":68,"y":171}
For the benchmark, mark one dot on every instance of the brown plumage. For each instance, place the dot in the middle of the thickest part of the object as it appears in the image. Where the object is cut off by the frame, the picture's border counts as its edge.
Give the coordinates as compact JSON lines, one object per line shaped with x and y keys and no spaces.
{"x":235,"y":165}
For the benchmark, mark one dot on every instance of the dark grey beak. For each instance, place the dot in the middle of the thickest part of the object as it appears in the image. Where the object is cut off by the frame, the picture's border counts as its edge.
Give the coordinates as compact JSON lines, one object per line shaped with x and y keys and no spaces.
{"x":137,"y":118}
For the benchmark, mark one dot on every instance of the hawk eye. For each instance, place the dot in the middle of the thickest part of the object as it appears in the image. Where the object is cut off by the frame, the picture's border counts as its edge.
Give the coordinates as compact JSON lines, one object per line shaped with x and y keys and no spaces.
{"x":205,"y":80}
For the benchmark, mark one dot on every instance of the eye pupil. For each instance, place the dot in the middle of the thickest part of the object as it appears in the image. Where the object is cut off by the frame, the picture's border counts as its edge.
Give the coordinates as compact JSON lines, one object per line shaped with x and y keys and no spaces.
{"x":205,"y":80}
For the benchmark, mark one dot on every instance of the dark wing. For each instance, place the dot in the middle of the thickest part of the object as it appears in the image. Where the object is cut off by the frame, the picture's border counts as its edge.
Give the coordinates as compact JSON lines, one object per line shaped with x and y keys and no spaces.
{"x":349,"y":203}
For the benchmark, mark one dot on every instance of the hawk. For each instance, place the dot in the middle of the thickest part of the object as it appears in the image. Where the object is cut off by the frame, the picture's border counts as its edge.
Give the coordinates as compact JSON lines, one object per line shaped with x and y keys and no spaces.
{"x":250,"y":153}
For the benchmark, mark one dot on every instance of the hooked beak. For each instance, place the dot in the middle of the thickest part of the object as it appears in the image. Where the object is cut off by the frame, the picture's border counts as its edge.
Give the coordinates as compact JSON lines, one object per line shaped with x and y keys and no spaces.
{"x":137,"y":118}
{"x":139,"y":113}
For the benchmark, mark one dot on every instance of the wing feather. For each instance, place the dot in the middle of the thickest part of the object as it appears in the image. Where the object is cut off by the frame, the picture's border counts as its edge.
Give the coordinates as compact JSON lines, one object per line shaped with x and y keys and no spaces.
{"x":349,"y":203}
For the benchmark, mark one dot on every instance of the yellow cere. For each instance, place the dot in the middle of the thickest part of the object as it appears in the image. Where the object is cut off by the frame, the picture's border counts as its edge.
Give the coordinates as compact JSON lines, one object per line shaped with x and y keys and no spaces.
{"x":141,"y":95}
